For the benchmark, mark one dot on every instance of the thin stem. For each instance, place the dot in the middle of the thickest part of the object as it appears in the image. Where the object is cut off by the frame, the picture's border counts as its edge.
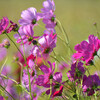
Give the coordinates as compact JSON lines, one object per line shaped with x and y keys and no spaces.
{"x":3,"y":65}
{"x":96,"y":29}
{"x":7,"y":92}
{"x":14,"y":44}
{"x":65,"y":34}
{"x":95,"y":95}
{"x":27,"y":69}
{"x":50,"y":88}
{"x":8,"y":78}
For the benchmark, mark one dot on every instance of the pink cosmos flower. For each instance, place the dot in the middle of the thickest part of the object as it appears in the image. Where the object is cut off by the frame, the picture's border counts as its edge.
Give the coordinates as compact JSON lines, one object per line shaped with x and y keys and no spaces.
{"x":44,"y":80}
{"x":47,"y":43}
{"x":48,"y":5}
{"x":56,"y":78}
{"x":76,"y":72}
{"x":30,"y":16}
{"x":30,"y":60}
{"x":12,"y":27}
{"x":3,"y":24}
{"x":90,"y":84}
{"x":87,"y":50}
{"x":57,"y":85}
{"x":48,"y":15}
{"x":26,"y":33}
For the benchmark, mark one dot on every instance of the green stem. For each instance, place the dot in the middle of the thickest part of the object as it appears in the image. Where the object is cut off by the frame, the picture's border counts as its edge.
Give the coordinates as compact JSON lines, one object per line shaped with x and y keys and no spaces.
{"x":27,"y":68}
{"x":8,"y":78}
{"x":14,"y":44}
{"x":3,"y":65}
{"x":21,"y":73}
{"x":25,"y":62}
{"x":95,"y":95}
{"x":65,"y":34}
{"x":7,"y":92}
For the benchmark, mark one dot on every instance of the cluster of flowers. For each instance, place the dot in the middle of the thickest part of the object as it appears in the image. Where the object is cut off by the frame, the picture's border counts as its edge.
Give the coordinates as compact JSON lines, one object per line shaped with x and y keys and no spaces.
{"x":37,"y":75}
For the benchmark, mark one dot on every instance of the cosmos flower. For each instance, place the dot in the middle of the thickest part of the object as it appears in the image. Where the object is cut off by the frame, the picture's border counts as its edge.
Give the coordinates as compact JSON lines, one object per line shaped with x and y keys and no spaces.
{"x":12,"y":27}
{"x":26,"y":34}
{"x":3,"y":24}
{"x":47,"y":43}
{"x":76,"y":72}
{"x":44,"y":80}
{"x":29,"y":17}
{"x":87,"y":50}
{"x":57,"y":85}
{"x":48,"y":15}
{"x":90,"y":84}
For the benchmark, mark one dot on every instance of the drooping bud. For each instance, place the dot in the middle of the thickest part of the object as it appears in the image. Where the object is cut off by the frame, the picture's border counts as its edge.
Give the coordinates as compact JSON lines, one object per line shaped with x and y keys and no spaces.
{"x":6,"y":43}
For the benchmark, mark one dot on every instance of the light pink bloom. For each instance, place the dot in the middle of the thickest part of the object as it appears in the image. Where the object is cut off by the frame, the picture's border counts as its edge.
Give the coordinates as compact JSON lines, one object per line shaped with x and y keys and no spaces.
{"x":29,"y":16}
{"x":26,"y":33}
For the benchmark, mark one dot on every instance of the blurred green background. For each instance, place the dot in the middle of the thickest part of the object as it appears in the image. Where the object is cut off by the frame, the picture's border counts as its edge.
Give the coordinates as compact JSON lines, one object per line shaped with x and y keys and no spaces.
{"x":77,"y":17}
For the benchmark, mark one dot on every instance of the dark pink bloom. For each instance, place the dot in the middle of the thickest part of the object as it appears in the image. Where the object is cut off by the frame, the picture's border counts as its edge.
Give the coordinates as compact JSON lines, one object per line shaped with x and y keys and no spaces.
{"x":12,"y":27}
{"x":44,"y":80}
{"x":30,"y":60}
{"x":90,"y":84}
{"x":76,"y":72}
{"x":3,"y":24}
{"x":59,"y":92}
{"x":26,"y":33}
{"x":57,"y":87}
{"x":87,"y":50}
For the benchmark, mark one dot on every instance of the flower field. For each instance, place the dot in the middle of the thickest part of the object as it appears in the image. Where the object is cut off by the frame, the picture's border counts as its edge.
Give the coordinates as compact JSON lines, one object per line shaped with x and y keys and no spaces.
{"x":49,"y":50}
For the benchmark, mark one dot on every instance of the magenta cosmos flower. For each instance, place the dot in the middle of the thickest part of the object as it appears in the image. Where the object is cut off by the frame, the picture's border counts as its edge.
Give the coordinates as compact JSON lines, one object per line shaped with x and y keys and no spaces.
{"x":87,"y":50}
{"x":57,"y":85}
{"x":26,"y":33}
{"x":90,"y":84}
{"x":44,"y":80}
{"x":29,"y":16}
{"x":12,"y":27}
{"x":76,"y":72}
{"x":3,"y":24}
